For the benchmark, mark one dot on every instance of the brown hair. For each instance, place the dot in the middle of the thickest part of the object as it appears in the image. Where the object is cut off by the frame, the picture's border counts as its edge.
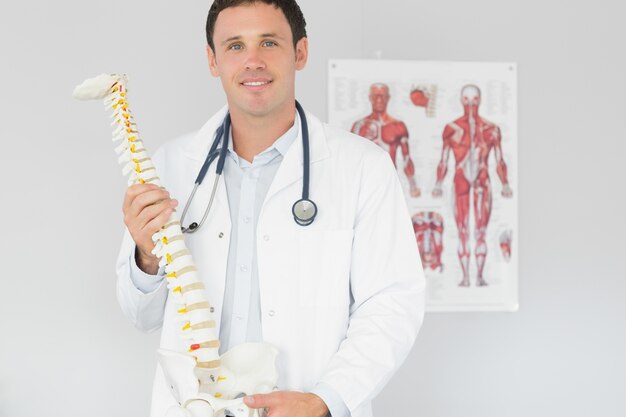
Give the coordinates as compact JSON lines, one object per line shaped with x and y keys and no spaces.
{"x":290,"y":9}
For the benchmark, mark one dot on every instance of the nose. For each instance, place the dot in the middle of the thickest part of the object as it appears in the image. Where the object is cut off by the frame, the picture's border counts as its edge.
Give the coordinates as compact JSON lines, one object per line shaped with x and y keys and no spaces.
{"x":254,"y":60}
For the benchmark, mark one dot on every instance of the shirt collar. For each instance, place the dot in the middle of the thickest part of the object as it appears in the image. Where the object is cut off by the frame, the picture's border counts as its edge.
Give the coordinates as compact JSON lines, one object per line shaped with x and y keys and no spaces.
{"x":279,"y":147}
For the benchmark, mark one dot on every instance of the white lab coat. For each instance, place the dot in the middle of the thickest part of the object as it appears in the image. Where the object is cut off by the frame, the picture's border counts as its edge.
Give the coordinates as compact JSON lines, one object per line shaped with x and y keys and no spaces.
{"x":341,"y":299}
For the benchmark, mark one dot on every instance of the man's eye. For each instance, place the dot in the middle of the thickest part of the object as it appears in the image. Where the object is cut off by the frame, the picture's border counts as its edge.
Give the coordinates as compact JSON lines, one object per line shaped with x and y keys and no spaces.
{"x":269,"y":43}
{"x":235,"y":47}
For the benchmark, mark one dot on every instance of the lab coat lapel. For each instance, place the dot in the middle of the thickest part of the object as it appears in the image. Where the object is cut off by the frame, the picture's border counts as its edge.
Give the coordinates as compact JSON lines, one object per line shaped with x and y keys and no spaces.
{"x":291,"y":168}
{"x":203,"y":197}
{"x":197,"y":151}
{"x":214,"y":236}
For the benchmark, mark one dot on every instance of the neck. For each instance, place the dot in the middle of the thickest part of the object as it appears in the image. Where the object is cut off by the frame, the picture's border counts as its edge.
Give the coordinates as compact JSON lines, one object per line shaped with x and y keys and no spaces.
{"x":471,"y":111}
{"x":380,"y":115}
{"x":252,"y":135}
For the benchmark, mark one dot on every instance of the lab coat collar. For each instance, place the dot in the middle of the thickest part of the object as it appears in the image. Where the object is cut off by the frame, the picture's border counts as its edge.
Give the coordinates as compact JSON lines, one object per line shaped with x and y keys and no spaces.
{"x":279,"y":147}
{"x":291,"y":168}
{"x":199,"y":147}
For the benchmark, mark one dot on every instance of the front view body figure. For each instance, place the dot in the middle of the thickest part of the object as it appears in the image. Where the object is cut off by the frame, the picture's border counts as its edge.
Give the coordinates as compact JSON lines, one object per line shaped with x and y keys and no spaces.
{"x":471,"y":138}
{"x":387,"y":132}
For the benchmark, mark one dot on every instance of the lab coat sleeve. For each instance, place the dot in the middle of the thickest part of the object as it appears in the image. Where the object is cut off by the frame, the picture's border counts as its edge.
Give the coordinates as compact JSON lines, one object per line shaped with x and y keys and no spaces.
{"x":336,"y":406}
{"x":144,"y":307}
{"x":144,"y":282}
{"x":387,"y":289}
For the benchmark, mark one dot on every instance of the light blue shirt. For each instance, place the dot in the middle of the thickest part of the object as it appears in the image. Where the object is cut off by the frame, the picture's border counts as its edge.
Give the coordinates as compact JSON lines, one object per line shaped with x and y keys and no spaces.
{"x":247,"y":184}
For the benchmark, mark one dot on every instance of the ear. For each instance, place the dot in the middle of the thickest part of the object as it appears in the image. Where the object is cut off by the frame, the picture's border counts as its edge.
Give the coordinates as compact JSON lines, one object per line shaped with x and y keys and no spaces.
{"x":302,"y":53}
{"x":212,"y":61}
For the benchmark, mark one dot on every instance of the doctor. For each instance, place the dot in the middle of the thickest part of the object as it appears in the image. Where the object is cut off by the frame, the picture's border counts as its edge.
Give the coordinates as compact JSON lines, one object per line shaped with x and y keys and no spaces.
{"x":342,"y":299}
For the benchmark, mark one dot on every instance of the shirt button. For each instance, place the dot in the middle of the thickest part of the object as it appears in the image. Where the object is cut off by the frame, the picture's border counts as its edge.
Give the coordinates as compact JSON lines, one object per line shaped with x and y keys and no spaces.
{"x":246,"y":219}
{"x":243,"y":268}
{"x":266,"y":238}
{"x":239,"y":317}
{"x":271,"y":313}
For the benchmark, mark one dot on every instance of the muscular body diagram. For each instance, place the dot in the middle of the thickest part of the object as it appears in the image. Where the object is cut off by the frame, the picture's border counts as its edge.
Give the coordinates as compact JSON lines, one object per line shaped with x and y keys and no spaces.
{"x":470,"y":139}
{"x":387,"y":132}
{"x":428,"y":228}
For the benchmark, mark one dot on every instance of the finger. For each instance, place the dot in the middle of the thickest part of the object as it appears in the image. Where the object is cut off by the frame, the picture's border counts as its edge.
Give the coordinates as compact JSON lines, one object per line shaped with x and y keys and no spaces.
{"x":142,"y":229}
{"x":145,"y":199}
{"x":133,"y":191}
{"x":150,"y":212}
{"x":155,"y":224}
{"x":261,"y":400}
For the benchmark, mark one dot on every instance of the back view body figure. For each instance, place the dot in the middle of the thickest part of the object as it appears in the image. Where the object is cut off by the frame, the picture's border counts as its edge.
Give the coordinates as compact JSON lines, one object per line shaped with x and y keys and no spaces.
{"x":387,"y":132}
{"x":471,"y":139}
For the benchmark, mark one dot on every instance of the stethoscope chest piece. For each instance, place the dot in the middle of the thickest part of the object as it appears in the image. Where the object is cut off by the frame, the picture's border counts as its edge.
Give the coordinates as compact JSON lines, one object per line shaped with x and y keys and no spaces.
{"x":304,"y":212}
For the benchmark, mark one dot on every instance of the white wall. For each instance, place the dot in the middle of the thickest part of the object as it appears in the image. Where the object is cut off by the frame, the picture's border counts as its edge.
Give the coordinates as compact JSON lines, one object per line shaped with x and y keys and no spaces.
{"x":66,"y":348}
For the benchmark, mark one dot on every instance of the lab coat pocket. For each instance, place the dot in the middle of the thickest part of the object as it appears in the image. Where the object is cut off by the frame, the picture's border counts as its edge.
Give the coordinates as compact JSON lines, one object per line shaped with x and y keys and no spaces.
{"x":324,"y":272}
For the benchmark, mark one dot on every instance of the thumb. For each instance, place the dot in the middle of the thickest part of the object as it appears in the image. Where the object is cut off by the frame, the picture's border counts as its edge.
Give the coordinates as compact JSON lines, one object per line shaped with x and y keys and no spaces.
{"x":260,"y":400}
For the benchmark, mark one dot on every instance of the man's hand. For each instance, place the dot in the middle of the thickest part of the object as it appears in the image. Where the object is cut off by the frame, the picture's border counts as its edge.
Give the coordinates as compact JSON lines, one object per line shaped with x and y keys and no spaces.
{"x":146,"y":209}
{"x":288,"y":404}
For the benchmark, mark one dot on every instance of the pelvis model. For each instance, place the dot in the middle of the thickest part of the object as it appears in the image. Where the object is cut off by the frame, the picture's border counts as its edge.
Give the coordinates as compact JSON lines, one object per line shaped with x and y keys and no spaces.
{"x":203,"y":383}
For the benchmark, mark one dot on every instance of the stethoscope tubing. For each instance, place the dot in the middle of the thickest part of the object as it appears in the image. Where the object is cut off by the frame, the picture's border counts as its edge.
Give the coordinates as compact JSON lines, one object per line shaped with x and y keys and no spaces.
{"x":305,"y":152}
{"x":222,"y":135}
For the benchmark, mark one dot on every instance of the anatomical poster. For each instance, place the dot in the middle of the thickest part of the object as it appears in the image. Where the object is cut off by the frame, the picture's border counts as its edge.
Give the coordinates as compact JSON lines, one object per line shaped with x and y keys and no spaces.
{"x":450,"y":128}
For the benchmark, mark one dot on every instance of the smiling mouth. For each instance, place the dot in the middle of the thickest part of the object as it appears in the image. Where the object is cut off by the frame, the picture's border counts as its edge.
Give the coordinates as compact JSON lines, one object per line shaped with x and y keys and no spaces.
{"x":255,"y":83}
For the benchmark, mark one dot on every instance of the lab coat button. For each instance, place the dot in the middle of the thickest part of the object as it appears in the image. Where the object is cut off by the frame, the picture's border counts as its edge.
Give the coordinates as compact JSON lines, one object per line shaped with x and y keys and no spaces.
{"x":271,"y":313}
{"x":221,"y":235}
{"x":266,"y":237}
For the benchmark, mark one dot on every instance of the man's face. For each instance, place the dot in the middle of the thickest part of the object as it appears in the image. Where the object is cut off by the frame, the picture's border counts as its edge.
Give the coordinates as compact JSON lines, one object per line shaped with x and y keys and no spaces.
{"x":255,"y":59}
{"x":379,"y":97}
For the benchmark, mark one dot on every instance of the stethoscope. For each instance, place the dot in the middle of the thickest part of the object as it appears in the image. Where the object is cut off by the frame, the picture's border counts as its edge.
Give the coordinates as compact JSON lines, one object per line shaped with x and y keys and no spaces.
{"x":303,"y":210}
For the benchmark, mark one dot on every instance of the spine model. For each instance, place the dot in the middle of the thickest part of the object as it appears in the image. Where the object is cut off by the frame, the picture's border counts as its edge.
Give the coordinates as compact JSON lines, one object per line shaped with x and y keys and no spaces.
{"x":192,"y":376}
{"x":197,"y":324}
